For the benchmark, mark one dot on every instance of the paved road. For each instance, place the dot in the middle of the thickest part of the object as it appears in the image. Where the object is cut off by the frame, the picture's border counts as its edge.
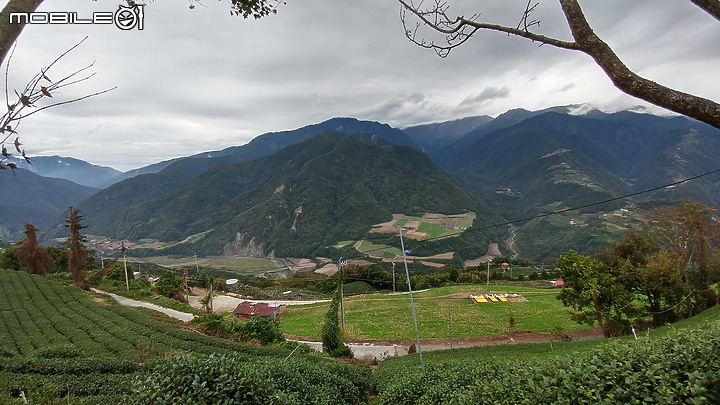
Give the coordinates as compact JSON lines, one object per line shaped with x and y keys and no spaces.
{"x":366,"y":351}
{"x":183,"y":316}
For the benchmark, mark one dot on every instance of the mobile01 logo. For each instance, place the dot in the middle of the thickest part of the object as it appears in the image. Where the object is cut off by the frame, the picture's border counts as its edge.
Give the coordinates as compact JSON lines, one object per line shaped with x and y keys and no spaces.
{"x":125,"y":17}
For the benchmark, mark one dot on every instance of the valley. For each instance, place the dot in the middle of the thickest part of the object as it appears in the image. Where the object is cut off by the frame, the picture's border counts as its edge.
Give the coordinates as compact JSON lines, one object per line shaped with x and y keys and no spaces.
{"x":343,"y":186}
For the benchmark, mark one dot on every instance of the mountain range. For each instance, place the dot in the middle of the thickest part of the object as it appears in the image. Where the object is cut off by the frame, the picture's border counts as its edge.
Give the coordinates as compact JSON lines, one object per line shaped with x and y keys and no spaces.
{"x":299,"y":192}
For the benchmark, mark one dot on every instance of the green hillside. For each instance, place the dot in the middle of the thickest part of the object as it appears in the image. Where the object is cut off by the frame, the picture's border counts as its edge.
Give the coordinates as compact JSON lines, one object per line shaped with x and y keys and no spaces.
{"x":555,"y":161}
{"x":28,"y":197}
{"x":57,"y":345}
{"x":308,"y":196}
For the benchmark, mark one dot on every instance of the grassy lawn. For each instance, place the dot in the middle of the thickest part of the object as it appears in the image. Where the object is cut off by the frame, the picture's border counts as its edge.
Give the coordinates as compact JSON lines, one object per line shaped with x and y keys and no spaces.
{"x":233,"y":265}
{"x":389,"y":316}
{"x":434,"y":230}
{"x":465,"y":222}
{"x":343,"y":243}
{"x":241,"y":264}
{"x":400,"y":222}
{"x":379,"y":250}
{"x":530,"y":351}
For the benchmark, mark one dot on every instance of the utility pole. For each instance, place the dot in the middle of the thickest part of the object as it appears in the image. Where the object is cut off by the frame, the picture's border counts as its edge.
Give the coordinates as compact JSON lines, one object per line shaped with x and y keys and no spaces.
{"x":210,"y":296}
{"x":127,"y":282}
{"x":393,"y":264}
{"x":185,"y":285}
{"x":412,"y":303}
{"x":449,"y":327}
{"x":488,"y":272}
{"x":342,"y":298}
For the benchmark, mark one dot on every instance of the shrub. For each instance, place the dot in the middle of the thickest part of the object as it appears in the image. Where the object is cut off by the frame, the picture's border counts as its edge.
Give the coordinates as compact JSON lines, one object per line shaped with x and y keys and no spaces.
{"x":229,"y":379}
{"x":169,"y":284}
{"x":6,"y":352}
{"x":59,"y":351}
{"x":212,"y":324}
{"x":680,"y":368}
{"x":264,"y":330}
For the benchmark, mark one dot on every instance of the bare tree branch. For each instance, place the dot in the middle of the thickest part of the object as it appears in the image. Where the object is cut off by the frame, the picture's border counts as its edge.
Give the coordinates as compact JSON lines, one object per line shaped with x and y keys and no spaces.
{"x":10,"y":32}
{"x":628,"y":81}
{"x":711,"y":7}
{"x":525,"y":21}
{"x":457,"y":30}
{"x":32,"y":93}
{"x":97,"y":93}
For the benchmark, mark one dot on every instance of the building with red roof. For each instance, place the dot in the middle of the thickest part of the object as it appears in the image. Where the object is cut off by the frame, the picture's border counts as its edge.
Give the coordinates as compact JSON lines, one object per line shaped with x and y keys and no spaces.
{"x":247,"y":310}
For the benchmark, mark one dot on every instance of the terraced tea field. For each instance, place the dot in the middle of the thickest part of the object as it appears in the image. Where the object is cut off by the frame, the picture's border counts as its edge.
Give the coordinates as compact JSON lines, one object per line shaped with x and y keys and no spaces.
{"x":58,"y":344}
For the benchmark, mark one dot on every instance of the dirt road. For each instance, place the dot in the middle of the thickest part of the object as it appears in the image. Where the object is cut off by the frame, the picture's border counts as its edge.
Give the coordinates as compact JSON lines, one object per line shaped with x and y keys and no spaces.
{"x":128,"y":302}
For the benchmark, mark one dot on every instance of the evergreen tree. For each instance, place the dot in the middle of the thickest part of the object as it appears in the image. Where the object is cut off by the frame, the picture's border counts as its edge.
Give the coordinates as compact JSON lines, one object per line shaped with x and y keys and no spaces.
{"x":77,"y":253}
{"x":332,"y":342}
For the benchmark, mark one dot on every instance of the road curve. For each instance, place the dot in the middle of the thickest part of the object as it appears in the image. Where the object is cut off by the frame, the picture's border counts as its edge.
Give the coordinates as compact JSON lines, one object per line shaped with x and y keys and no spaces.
{"x":128,"y":302}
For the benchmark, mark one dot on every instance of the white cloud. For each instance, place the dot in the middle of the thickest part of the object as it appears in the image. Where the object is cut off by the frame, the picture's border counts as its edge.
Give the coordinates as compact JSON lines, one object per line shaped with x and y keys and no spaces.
{"x":201,"y":79}
{"x":486,"y":96}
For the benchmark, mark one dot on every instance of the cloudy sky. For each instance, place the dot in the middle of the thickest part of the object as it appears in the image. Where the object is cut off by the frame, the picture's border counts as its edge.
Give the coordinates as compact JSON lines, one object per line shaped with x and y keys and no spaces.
{"x":201,"y":79}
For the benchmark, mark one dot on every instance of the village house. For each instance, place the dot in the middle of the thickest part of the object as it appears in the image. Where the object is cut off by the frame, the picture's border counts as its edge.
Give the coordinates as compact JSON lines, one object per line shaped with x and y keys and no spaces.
{"x":247,"y":310}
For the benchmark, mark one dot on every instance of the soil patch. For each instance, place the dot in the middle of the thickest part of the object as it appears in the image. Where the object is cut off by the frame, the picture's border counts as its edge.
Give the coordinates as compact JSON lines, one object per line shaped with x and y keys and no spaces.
{"x":469,"y":341}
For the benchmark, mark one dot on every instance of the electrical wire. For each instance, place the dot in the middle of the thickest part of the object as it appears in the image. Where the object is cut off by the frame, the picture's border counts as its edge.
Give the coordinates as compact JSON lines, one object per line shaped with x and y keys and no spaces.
{"x":622,"y":197}
{"x":579,"y":207}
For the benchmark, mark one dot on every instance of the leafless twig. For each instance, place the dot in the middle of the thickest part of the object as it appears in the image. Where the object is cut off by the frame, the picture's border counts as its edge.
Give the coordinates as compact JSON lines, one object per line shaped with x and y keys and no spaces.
{"x":525,"y":21}
{"x":457,"y":30}
{"x":38,"y":89}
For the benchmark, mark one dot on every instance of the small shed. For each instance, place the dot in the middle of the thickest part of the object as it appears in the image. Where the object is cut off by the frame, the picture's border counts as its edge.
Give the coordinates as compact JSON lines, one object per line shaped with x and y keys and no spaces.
{"x":247,"y":310}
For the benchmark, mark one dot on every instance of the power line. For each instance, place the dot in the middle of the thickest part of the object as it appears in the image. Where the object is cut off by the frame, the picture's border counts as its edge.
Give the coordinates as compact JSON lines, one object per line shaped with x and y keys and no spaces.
{"x":546,"y":214}
{"x":601,"y":202}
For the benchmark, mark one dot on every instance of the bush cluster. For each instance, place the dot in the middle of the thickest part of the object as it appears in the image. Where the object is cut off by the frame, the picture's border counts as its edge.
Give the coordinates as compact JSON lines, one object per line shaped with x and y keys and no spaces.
{"x":228,"y":379}
{"x":679,"y":368}
{"x":263,"y":330}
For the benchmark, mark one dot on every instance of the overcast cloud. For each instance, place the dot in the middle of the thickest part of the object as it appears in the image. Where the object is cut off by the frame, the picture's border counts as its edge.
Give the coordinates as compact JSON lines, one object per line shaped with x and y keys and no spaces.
{"x":197,"y":80}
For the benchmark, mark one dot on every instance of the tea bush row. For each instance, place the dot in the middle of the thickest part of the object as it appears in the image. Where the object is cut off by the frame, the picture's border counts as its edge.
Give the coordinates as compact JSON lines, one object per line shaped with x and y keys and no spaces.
{"x":682,"y":367}
{"x":96,"y":388}
{"x":228,"y":379}
{"x":37,"y":312}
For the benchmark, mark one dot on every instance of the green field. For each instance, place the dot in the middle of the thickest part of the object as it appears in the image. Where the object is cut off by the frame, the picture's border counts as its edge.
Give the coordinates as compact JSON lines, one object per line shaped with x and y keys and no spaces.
{"x":224,"y":266}
{"x":435,"y":230}
{"x":383,"y":316}
{"x":376,"y":250}
{"x":343,"y":243}
{"x":673,"y":364}
{"x":60,"y":345}
{"x":400,"y":222}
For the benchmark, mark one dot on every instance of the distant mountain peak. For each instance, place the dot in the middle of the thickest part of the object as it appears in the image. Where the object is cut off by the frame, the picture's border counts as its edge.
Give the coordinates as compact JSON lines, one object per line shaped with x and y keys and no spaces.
{"x":68,"y":168}
{"x":580,"y":109}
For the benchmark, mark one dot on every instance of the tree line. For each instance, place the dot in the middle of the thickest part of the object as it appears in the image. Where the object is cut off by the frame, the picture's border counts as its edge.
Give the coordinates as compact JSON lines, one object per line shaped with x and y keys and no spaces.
{"x":30,"y":256}
{"x":666,"y":270}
